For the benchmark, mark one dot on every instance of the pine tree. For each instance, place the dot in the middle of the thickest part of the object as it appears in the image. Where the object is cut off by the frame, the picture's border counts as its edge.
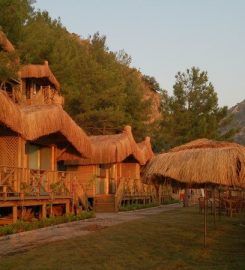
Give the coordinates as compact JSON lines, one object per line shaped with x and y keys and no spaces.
{"x":192,"y":112}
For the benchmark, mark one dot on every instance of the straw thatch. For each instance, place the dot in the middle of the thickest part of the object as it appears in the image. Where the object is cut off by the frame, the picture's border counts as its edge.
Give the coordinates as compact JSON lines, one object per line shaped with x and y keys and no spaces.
{"x":107,"y":149}
{"x":39,"y":71}
{"x":204,"y":143}
{"x":33,"y":122}
{"x":145,"y":147}
{"x":5,"y":44}
{"x":10,"y":114}
{"x":200,"y":162}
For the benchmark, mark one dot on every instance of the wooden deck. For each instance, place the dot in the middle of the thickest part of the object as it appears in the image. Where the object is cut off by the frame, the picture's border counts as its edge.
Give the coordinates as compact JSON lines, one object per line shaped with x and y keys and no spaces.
{"x":25,"y":188}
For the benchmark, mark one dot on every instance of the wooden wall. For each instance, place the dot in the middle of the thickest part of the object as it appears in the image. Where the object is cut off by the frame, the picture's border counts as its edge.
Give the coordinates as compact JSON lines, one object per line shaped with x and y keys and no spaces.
{"x":130,"y":170}
{"x":9,"y":146}
{"x":87,"y":177}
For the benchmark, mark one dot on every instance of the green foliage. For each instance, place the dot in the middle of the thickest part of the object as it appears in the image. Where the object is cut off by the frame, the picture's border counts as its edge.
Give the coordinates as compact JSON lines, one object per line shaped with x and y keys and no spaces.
{"x":13,"y":16}
{"x":21,"y":226}
{"x":8,"y":67}
{"x":192,"y":112}
{"x":102,"y":93}
{"x":152,"y":83}
{"x":170,"y":201}
{"x":159,"y":144}
{"x":168,"y":240}
{"x":136,"y":206}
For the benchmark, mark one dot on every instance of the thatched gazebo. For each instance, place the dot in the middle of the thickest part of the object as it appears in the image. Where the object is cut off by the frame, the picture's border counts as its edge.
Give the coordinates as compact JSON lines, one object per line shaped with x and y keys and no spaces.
{"x":198,"y":163}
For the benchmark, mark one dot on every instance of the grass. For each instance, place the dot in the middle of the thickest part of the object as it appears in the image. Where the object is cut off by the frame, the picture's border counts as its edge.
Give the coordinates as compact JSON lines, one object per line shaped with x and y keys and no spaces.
{"x":136,"y":206}
{"x":170,"y":240}
{"x":21,"y":226}
{"x":170,"y":201}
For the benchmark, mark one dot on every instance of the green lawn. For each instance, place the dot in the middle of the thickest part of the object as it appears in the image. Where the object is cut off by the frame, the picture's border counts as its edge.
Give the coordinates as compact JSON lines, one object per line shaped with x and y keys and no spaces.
{"x":171,"y":240}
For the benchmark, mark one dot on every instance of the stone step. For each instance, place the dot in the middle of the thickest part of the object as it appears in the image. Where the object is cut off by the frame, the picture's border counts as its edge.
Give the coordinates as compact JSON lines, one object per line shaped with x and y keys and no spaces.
{"x":105,"y":199}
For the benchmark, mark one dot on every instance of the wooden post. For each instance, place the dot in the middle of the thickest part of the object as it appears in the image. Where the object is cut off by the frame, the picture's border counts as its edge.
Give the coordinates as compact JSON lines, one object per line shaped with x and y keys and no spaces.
{"x":205,"y":217}
{"x":219,"y":205}
{"x":186,"y":198}
{"x":44,"y":210}
{"x":5,"y":192}
{"x":73,"y":200}
{"x":51,"y":209}
{"x":20,"y":156}
{"x":14,"y":214}
{"x":67,"y":207}
{"x":53,"y":158}
{"x":214,"y":207}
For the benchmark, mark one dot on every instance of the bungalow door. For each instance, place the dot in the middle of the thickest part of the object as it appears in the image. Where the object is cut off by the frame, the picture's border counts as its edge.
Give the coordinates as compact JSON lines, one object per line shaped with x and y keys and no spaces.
{"x":112,"y":179}
{"x":45,"y":158}
{"x":100,"y":180}
{"x":45,"y":165}
{"x":33,"y":156}
{"x":39,"y":161}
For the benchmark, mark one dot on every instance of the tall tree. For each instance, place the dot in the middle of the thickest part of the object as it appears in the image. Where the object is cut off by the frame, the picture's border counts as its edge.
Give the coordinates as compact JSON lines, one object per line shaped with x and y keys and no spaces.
{"x":192,"y":112}
{"x":102,"y":92}
{"x":13,"y":16}
{"x":8,"y":67}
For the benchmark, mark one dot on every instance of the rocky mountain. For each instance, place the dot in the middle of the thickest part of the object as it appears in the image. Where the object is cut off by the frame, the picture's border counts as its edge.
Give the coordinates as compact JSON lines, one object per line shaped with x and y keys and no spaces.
{"x":238,"y":112}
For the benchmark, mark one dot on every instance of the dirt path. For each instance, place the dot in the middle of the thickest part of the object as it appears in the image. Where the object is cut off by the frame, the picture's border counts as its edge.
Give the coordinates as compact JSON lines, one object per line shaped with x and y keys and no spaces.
{"x":26,"y":240}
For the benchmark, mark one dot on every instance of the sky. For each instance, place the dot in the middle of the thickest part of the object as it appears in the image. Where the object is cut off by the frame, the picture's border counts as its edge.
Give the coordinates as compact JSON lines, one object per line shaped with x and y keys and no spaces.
{"x":167,"y":36}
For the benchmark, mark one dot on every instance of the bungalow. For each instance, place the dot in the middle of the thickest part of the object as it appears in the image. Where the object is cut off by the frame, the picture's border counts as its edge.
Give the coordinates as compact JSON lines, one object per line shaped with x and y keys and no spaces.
{"x":112,"y":175}
{"x":34,"y":133}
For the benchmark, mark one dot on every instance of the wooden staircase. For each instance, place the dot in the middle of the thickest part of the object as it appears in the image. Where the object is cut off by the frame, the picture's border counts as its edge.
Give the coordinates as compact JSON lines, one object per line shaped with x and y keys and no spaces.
{"x":105,"y":203}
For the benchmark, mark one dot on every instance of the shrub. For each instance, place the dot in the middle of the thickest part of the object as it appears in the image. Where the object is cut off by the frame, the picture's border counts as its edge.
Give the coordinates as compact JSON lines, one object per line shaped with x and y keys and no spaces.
{"x":135,"y":206}
{"x":21,"y":226}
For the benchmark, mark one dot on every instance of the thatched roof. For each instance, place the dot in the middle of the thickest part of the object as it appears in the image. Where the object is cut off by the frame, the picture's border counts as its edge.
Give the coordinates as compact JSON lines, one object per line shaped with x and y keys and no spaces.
{"x":10,"y":114}
{"x":200,"y":162}
{"x":107,"y":149}
{"x":33,"y":122}
{"x":114,"y":148}
{"x":5,"y":44}
{"x":39,"y":71}
{"x":203,"y":143}
{"x":145,"y":147}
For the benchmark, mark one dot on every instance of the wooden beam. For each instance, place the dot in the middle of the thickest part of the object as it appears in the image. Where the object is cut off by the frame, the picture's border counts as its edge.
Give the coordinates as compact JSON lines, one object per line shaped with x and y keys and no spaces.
{"x":14,"y":214}
{"x":61,"y":152}
{"x":44,"y":210}
{"x":68,"y":207}
{"x":205,"y":217}
{"x":53,"y":158}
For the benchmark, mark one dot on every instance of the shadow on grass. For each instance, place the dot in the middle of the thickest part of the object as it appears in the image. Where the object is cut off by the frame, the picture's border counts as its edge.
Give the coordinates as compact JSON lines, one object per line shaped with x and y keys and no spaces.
{"x":170,"y":240}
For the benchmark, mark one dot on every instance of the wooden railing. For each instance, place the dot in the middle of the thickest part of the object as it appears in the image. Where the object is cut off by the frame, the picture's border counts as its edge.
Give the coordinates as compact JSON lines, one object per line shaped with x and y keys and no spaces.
{"x":24,"y":182}
{"x":79,"y":193}
{"x":119,"y":193}
{"x":133,"y":188}
{"x":45,"y":95}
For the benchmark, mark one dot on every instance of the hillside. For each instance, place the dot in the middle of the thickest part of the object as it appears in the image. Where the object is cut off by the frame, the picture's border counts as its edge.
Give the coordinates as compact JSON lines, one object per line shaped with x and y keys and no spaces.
{"x":238,"y":112}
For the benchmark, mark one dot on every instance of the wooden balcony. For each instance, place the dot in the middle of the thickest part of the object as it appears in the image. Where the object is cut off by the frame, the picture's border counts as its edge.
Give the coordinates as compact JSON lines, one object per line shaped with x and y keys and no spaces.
{"x":23,"y":183}
{"x":23,"y":190}
{"x":45,"y":95}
